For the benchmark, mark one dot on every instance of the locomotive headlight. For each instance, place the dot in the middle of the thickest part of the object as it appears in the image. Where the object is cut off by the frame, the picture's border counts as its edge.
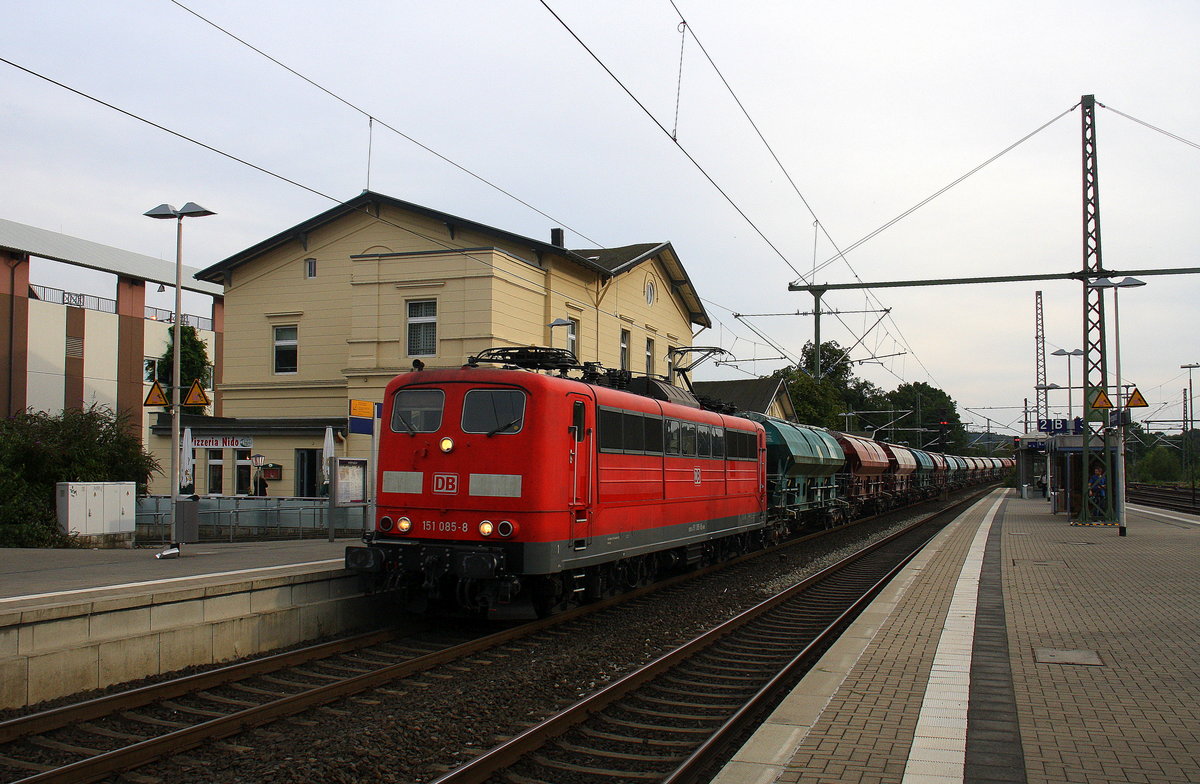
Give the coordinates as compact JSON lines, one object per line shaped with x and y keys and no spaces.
{"x":403,"y":525}
{"x":505,"y":528}
{"x":486,"y":528}
{"x":446,"y":445}
{"x":385,"y":523}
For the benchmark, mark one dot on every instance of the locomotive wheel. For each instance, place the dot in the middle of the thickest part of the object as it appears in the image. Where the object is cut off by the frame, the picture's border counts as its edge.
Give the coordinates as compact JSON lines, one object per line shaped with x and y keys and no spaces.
{"x":547,"y":595}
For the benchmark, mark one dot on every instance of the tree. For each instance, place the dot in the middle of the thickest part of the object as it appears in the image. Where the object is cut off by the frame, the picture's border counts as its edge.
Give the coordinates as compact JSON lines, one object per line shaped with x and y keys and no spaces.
{"x":38,"y":450}
{"x":931,"y":407}
{"x":1160,"y":464}
{"x":193,"y":365}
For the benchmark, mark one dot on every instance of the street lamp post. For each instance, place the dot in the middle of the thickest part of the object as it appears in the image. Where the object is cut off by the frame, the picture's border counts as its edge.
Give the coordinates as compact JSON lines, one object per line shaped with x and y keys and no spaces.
{"x":1050,"y":460}
{"x":1062,"y":352}
{"x":257,"y":462}
{"x":1119,"y":479}
{"x":165,"y":212}
{"x":1187,"y":430}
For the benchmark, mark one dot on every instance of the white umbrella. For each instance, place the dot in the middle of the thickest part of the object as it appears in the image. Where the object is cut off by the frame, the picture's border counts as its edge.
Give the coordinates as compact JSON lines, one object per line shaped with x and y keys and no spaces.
{"x":327,"y":451}
{"x":187,"y":464}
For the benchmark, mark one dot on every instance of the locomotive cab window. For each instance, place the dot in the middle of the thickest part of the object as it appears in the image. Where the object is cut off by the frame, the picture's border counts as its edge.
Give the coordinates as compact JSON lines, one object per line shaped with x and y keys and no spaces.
{"x":493,"y":411}
{"x":417,"y":410}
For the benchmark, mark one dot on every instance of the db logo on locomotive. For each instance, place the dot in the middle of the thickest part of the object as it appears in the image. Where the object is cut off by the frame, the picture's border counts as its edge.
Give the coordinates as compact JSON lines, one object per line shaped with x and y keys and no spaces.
{"x":446,"y":484}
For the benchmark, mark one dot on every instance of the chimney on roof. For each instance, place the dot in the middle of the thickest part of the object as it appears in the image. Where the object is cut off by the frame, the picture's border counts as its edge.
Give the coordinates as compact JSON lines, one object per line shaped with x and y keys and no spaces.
{"x":556,"y":238}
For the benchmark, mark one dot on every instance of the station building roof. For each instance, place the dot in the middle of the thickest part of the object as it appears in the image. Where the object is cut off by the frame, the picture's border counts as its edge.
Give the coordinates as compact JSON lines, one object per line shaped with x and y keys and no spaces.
{"x":45,"y":244}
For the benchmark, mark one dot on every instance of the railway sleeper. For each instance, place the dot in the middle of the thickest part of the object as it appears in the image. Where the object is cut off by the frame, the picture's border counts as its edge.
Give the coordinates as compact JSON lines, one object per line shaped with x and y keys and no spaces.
{"x":643,"y":727}
{"x":573,"y":748}
{"x":633,"y":740}
{"x":619,"y":775}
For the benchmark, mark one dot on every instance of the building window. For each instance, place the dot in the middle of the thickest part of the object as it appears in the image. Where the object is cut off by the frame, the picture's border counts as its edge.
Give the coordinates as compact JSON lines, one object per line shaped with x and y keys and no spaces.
{"x":422,"y":328}
{"x":649,"y":357}
{"x":243,"y":471}
{"x":624,"y":349}
{"x":310,"y":268}
{"x":651,"y":292}
{"x":287,"y":349}
{"x":573,"y":337}
{"x":670,"y":364}
{"x":150,"y":369}
{"x":216,"y":471}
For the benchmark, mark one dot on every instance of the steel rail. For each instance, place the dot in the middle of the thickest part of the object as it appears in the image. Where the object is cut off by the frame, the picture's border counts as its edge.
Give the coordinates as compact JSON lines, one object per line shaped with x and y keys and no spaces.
{"x":103,"y":764}
{"x":483,"y":767}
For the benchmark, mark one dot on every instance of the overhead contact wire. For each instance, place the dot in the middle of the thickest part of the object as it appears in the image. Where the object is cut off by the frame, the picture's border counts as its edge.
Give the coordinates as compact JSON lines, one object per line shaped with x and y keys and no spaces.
{"x":391,"y":128}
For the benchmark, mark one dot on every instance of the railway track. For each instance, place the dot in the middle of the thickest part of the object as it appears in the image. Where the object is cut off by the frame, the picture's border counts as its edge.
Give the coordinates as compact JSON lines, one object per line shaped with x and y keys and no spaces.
{"x":92,"y":740}
{"x":1177,"y":499}
{"x":89,"y":740}
{"x":677,"y":718}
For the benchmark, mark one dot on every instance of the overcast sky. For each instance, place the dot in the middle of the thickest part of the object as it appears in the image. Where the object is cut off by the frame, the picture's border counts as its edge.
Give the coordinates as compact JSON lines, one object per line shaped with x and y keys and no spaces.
{"x":870,"y":107}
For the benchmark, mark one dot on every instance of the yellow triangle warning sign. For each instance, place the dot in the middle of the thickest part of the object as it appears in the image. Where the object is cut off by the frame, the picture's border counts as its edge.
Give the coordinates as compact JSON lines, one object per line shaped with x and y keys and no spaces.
{"x":156,"y":397}
{"x":1136,"y":400}
{"x":196,"y":395}
{"x":1101,"y":400}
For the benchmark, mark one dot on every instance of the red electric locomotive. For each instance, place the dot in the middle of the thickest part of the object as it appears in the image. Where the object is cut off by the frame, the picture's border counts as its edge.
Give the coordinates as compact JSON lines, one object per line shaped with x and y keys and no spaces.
{"x":500,"y":483}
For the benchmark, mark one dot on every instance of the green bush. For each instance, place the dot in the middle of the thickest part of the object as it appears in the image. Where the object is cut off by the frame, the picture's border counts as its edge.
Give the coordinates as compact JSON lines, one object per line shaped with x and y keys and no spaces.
{"x":38,"y":450}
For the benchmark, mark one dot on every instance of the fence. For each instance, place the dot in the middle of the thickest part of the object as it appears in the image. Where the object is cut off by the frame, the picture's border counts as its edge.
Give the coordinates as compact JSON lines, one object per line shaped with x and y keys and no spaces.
{"x":106,"y":305}
{"x":238,"y":519}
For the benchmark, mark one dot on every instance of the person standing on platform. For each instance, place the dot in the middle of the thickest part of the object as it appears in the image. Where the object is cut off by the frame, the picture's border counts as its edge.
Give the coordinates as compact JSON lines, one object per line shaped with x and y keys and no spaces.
{"x":1098,"y":491}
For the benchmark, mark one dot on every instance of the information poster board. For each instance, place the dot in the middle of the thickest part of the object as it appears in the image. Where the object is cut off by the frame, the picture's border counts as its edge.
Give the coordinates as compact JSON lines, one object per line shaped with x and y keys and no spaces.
{"x":349,"y":481}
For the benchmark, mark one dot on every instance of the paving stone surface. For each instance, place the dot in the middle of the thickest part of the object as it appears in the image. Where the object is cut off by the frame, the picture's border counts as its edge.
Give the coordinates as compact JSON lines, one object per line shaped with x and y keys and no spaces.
{"x":1071,"y":596}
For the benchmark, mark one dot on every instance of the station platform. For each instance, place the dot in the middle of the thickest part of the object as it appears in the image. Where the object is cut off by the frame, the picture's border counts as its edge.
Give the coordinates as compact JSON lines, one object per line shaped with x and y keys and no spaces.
{"x":32,"y":577}
{"x":1016,"y":648}
{"x":72,"y":621}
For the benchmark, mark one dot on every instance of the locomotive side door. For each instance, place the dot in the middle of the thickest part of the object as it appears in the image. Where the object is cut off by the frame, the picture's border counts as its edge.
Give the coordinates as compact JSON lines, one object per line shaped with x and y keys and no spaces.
{"x":582,"y":455}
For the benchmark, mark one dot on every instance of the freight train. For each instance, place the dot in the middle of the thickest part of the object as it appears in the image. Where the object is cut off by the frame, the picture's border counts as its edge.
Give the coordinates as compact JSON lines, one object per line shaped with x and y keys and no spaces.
{"x":496,"y":484}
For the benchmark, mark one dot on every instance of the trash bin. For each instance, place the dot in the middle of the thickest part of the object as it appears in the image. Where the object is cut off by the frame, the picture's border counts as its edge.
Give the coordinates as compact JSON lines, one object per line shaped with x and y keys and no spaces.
{"x":1025,"y":492}
{"x":187,"y":521}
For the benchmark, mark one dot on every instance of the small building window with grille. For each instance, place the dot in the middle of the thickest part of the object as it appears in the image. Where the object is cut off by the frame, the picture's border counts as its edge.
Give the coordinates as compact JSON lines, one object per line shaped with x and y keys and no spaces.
{"x":422,"y":328}
{"x":624,"y":349}
{"x":149,"y":369}
{"x":649,"y":357}
{"x":310,"y":268}
{"x":287,"y":349}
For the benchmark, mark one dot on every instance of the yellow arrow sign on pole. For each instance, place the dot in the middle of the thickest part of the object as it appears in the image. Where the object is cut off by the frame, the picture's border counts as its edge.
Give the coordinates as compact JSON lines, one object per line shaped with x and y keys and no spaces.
{"x":156,"y":396}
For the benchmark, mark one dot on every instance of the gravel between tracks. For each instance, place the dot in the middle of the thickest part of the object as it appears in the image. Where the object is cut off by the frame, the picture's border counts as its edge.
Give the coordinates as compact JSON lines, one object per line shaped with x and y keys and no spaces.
{"x":416,"y":732}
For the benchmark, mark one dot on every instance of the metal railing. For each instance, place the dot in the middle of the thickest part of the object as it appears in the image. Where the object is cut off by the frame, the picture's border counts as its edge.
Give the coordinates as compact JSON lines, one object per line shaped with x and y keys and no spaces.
{"x":73,"y":299}
{"x":168,"y":316}
{"x":105,"y":305}
{"x":249,"y":519}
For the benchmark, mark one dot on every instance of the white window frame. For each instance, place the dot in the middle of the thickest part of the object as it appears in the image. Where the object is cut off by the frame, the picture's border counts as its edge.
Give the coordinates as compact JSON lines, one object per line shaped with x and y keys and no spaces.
{"x":277,"y":343}
{"x":649,"y":356}
{"x":625,"y":338}
{"x":420,"y":321}
{"x":310,"y":268}
{"x":573,"y":337}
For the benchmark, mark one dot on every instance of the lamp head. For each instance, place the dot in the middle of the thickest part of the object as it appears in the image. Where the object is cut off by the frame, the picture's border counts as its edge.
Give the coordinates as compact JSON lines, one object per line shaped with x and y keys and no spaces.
{"x":162,"y":211}
{"x":194,"y":210}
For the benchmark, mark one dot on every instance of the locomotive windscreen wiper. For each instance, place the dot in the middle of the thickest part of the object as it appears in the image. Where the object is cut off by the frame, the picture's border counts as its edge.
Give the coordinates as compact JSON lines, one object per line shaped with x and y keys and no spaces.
{"x":505,"y":426}
{"x":412,"y":431}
